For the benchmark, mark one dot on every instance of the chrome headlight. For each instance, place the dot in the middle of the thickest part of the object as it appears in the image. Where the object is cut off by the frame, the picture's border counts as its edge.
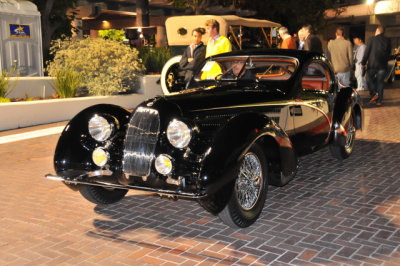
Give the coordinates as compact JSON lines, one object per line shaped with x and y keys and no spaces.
{"x":99,"y":128}
{"x":178,"y":134}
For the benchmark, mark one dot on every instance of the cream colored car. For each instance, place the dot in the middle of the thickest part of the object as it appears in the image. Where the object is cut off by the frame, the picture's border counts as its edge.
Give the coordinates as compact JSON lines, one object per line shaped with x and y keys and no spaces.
{"x":244,"y":33}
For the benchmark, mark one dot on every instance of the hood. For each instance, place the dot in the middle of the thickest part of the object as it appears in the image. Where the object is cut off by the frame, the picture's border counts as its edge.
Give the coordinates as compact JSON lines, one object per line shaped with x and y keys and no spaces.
{"x":223,"y":97}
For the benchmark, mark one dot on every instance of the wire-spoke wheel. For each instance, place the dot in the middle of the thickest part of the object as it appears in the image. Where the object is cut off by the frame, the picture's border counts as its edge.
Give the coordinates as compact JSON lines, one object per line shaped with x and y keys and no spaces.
{"x":250,"y":190}
{"x":343,"y":151}
{"x":351,"y":134}
{"x":248,"y":183}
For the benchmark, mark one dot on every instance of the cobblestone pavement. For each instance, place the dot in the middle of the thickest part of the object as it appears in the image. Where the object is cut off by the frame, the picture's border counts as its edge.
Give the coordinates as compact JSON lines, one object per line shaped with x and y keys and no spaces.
{"x":332,"y":213}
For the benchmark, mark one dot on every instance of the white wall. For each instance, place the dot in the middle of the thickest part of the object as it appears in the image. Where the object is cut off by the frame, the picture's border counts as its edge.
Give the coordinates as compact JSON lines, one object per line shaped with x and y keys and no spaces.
{"x":32,"y":87}
{"x":23,"y":114}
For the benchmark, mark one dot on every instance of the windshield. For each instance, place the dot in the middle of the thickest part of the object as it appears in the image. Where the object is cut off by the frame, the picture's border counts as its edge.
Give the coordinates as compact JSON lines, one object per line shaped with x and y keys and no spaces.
{"x":247,"y":68}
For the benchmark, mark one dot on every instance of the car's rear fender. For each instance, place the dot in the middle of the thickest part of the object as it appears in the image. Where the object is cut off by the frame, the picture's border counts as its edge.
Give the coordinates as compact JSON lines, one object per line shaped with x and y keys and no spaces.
{"x":233,"y":141}
{"x":359,"y":116}
{"x":75,"y":145}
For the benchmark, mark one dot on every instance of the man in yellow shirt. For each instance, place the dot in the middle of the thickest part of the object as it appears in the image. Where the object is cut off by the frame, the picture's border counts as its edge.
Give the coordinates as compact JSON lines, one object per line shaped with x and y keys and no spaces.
{"x":217,"y":43}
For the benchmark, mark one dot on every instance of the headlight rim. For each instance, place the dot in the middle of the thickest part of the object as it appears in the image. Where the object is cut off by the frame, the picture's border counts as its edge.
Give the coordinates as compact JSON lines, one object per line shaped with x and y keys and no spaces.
{"x":111,"y":123}
{"x":190,"y":128}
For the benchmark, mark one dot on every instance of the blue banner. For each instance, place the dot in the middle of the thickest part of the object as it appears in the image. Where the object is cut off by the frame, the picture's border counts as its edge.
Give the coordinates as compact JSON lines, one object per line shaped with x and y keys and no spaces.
{"x":20,"y":31}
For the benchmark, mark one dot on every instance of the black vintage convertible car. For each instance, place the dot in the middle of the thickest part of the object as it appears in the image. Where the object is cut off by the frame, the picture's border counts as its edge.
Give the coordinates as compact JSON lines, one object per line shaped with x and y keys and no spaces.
{"x":240,"y":126}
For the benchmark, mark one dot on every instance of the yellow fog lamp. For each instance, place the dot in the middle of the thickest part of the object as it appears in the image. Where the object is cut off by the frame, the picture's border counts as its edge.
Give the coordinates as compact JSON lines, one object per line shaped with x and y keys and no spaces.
{"x":100,"y":157}
{"x":163,"y":164}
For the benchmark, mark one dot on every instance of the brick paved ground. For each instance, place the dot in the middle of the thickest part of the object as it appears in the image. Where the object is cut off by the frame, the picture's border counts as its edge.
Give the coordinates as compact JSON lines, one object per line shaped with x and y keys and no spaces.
{"x":332,"y":213}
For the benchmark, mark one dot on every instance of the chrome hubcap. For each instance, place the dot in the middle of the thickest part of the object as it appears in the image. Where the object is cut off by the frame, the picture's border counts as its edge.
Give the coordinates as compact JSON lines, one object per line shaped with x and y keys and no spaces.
{"x":350,"y":136}
{"x":248,"y":183}
{"x":170,"y":79}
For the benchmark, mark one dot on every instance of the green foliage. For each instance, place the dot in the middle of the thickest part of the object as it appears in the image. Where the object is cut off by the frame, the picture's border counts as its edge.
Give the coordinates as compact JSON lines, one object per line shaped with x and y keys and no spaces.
{"x":182,"y":3}
{"x":115,"y":35}
{"x":107,"y":67}
{"x":67,"y":81}
{"x":6,"y":86}
{"x":198,"y":6}
{"x":59,"y":13}
{"x":4,"y":100}
{"x":154,"y":58}
{"x":292,"y":13}
{"x":56,"y":17}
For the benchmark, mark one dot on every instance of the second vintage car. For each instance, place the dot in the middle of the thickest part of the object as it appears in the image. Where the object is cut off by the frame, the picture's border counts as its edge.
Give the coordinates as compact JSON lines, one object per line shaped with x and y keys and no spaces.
{"x":240,"y":126}
{"x":243,"y":33}
{"x":393,"y":70}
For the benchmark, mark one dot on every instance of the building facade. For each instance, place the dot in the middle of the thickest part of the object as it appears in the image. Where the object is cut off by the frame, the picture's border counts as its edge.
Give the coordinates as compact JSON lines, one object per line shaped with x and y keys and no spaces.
{"x":360,"y":18}
{"x":93,"y":16}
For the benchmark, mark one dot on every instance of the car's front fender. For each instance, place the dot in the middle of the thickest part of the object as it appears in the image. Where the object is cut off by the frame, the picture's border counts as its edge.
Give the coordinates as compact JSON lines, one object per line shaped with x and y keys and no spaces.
{"x":75,"y":145}
{"x":233,"y":141}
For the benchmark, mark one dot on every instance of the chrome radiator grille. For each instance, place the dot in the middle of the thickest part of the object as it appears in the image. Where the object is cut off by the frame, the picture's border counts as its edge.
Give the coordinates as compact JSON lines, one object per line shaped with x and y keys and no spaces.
{"x":140,"y":142}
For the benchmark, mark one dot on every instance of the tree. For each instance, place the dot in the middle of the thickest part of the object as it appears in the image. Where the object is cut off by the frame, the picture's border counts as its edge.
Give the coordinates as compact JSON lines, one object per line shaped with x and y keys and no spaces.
{"x":142,"y":11}
{"x":198,"y":6}
{"x":293,"y":13}
{"x":56,"y":21}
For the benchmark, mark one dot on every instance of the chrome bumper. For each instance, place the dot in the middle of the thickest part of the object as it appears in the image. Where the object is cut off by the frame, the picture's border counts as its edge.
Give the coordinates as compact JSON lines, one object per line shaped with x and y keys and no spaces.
{"x":84,"y":180}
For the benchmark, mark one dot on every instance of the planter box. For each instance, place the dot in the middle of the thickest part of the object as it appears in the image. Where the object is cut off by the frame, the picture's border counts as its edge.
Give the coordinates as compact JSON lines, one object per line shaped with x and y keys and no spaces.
{"x":22,"y":114}
{"x":32,"y":86}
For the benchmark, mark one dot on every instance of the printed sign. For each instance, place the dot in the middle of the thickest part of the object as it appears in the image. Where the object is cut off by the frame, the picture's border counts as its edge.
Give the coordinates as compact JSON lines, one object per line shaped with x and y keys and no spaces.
{"x":20,"y":31}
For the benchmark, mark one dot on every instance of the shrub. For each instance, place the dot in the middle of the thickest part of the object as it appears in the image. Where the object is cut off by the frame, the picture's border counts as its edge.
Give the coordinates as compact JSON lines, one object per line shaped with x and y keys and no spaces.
{"x":112,"y":34}
{"x":154,"y":58}
{"x":4,"y":100}
{"x":5,"y":85}
{"x":67,"y":82}
{"x":107,"y":67}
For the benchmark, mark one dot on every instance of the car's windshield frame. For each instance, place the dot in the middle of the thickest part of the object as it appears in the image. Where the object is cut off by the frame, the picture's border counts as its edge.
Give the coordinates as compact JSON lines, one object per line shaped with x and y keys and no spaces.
{"x":274,"y":68}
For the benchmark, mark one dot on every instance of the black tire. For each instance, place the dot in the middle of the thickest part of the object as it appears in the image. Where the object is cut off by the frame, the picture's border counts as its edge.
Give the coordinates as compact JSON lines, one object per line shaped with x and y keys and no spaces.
{"x":343,"y":151}
{"x":247,"y":200}
{"x":216,"y":202}
{"x":100,"y":195}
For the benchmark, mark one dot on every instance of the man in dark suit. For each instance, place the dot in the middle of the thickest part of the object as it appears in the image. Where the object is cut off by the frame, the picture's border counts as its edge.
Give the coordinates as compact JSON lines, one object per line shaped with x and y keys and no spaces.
{"x":376,"y":58}
{"x":311,"y":41}
{"x":193,"y":55}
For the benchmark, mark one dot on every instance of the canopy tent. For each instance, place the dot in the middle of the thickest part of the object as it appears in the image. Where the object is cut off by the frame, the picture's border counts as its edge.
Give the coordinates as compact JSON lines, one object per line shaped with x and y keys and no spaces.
{"x":20,"y":38}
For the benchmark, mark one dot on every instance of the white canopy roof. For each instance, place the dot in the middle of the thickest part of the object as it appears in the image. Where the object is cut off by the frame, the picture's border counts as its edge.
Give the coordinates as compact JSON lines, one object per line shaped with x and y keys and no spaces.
{"x":249,"y":22}
{"x":18,"y":6}
{"x":173,"y":24}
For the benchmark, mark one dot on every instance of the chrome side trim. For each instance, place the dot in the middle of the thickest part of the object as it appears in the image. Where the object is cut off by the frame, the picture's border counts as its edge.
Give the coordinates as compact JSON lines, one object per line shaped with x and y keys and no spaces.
{"x":80,"y":180}
{"x":100,"y":173}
